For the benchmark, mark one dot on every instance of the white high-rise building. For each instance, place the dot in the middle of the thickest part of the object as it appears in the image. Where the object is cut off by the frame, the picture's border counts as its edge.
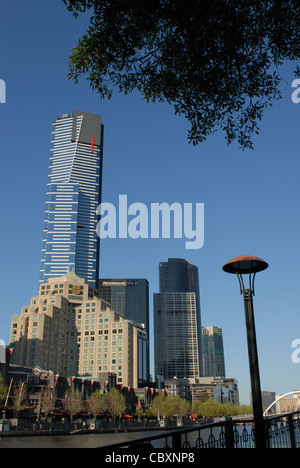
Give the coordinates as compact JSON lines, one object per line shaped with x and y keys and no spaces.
{"x":70,"y":241}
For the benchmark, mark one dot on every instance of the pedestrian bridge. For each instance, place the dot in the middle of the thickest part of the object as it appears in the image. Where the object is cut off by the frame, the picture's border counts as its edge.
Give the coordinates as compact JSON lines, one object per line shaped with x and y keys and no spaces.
{"x":290,"y":402}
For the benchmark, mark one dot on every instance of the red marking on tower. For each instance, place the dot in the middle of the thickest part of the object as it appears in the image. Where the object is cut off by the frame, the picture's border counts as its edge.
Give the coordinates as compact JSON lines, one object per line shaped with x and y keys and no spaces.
{"x":92,"y":144}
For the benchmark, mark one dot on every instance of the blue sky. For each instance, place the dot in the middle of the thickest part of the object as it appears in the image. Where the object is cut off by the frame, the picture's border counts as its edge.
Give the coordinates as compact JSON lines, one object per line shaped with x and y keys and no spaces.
{"x":251,"y":198}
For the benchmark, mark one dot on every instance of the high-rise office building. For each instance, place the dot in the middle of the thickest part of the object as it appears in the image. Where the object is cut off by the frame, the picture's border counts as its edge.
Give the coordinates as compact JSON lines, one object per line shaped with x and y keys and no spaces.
{"x":67,"y":328}
{"x":177,"y":321}
{"x":130,"y":298}
{"x":213,"y":352}
{"x":70,"y":241}
{"x":45,"y":333}
{"x":111,"y":343}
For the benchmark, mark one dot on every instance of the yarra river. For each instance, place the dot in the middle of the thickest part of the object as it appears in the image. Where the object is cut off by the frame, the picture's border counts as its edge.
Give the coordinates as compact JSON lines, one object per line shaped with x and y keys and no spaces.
{"x":73,"y":441}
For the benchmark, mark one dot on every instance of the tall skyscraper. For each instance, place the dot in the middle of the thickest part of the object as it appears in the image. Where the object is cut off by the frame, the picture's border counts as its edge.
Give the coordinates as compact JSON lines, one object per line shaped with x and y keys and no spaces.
{"x":70,"y":241}
{"x":130,"y":298}
{"x":213,"y":352}
{"x":177,"y":321}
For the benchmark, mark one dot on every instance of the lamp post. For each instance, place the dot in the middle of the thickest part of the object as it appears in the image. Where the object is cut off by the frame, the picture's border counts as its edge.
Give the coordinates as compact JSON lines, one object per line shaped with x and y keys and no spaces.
{"x":247,"y":264}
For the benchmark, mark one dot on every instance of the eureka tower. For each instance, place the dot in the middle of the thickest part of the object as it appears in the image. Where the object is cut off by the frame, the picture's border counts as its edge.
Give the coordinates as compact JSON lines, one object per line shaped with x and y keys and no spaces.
{"x":70,"y":241}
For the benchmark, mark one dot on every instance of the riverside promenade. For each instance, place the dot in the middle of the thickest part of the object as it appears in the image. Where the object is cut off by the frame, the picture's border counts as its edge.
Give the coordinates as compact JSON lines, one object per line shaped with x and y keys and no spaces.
{"x":282,"y":431}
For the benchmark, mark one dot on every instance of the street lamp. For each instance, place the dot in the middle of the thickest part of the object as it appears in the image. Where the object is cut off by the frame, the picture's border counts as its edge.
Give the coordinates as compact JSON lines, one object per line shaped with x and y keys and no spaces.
{"x":247,"y":264}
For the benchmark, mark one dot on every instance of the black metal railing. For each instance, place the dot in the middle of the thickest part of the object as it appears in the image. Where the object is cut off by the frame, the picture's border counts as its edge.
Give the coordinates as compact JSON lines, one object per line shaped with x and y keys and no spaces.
{"x":282,"y":431}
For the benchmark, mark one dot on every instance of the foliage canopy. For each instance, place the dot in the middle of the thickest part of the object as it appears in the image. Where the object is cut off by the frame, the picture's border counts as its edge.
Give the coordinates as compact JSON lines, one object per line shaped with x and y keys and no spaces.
{"x":215,"y":61}
{"x":115,"y":403}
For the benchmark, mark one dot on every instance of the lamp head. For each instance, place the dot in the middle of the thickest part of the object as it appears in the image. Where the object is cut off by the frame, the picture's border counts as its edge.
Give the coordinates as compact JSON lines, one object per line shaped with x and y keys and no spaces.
{"x":245,"y":264}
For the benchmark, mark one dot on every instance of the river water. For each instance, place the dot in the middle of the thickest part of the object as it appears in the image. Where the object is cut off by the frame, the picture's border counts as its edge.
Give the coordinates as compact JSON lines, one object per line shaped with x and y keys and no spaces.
{"x":73,"y":441}
{"x":97,"y":440}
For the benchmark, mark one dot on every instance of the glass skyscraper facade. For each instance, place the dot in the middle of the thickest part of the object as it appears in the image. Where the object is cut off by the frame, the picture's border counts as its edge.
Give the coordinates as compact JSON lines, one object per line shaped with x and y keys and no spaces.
{"x":177,"y":321}
{"x":130,"y":298}
{"x":70,"y":241}
{"x":213,"y":352}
